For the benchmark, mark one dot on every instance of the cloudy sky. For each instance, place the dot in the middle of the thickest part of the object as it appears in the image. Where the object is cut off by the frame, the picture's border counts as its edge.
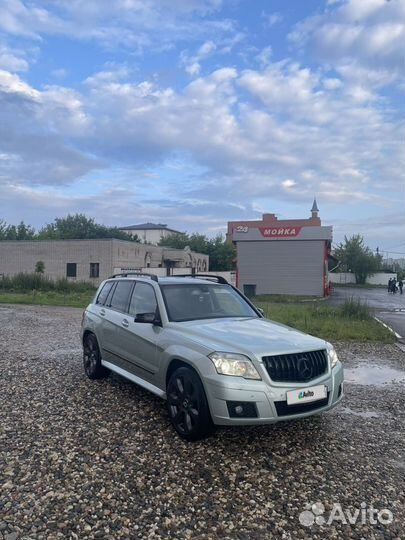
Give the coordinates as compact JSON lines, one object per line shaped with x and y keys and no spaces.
{"x":195,"y":112}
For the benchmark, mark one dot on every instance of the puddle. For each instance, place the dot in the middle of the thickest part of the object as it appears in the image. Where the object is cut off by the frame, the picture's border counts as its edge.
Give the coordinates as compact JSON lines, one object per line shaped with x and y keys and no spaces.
{"x":363,"y":414}
{"x":372,"y":374}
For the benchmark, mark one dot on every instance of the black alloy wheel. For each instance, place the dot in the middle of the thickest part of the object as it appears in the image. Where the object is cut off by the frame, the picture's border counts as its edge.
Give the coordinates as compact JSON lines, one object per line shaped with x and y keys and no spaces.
{"x":92,"y":358}
{"x":187,"y":405}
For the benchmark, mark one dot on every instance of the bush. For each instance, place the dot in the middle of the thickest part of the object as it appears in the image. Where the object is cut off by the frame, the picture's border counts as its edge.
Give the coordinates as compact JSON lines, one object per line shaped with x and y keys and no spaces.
{"x":40,"y":267}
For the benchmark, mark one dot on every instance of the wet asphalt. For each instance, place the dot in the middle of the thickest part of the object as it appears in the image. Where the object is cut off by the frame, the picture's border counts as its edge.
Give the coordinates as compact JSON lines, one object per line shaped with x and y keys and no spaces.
{"x":389,"y":308}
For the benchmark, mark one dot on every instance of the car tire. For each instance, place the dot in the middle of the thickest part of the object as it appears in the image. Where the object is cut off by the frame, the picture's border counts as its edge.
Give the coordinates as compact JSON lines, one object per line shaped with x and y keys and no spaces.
{"x":187,"y":405}
{"x":92,"y":359}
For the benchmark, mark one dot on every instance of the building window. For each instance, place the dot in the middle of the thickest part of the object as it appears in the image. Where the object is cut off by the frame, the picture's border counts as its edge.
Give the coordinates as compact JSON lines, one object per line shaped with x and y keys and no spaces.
{"x":94,"y":270}
{"x":71,"y":269}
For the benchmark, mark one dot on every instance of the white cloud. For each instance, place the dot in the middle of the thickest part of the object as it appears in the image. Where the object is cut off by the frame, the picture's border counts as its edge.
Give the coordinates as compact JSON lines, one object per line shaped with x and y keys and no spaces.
{"x":34,"y":132}
{"x":303,"y":138}
{"x":192,"y":63}
{"x":59,"y":73}
{"x":332,"y":84}
{"x":132,"y":24}
{"x":12,"y":84}
{"x":288,"y":184}
{"x":12,"y":60}
{"x":272,"y":18}
{"x":358,"y":35}
{"x":264,"y":57}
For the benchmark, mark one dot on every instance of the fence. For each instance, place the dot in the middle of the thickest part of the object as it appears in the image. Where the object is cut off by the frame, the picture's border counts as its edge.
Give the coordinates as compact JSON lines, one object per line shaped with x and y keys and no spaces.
{"x":381,"y":278}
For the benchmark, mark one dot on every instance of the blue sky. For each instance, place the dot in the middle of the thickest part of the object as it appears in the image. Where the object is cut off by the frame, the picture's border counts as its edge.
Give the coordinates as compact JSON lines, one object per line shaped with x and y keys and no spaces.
{"x":196,"y":112}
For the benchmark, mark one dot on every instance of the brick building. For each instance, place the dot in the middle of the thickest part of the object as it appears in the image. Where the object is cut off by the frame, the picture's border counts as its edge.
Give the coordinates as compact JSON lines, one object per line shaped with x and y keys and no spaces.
{"x":282,"y":256}
{"x":95,"y":260}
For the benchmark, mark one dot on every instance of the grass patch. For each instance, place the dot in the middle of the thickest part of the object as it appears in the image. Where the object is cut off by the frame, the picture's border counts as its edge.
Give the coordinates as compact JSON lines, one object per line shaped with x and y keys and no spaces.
{"x":47,"y":298}
{"x":286,"y":298}
{"x":359,"y":285}
{"x":37,"y":289}
{"x":24,"y":282}
{"x":351,"y":321}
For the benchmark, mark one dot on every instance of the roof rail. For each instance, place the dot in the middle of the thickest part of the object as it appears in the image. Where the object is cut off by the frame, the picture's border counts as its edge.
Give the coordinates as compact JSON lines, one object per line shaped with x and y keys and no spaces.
{"x":219,"y":279}
{"x":153,"y":277}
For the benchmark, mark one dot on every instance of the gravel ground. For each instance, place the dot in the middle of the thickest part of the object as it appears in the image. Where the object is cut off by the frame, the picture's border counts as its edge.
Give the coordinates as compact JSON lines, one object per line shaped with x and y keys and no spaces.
{"x":82,"y":459}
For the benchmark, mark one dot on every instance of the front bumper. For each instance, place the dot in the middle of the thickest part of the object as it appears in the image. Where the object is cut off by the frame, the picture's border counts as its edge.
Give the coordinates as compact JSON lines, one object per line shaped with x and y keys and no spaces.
{"x":221,"y":391}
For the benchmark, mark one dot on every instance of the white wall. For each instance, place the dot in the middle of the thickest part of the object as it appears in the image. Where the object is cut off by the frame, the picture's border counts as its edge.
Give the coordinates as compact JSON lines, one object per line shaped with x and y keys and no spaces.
{"x":229,"y":276}
{"x":381,"y":278}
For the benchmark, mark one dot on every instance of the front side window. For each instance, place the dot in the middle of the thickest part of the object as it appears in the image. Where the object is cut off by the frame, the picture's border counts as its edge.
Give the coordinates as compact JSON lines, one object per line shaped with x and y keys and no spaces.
{"x":201,"y":301}
{"x":120,"y":298}
{"x":143,"y":300}
{"x":71,"y":269}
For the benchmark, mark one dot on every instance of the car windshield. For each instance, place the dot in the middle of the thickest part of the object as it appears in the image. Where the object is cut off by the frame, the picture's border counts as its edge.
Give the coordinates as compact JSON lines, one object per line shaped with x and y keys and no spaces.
{"x":200,"y":301}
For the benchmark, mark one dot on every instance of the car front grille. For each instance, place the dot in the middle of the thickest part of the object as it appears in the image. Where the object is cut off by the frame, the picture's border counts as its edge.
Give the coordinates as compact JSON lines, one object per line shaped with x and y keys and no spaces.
{"x":300,"y":367}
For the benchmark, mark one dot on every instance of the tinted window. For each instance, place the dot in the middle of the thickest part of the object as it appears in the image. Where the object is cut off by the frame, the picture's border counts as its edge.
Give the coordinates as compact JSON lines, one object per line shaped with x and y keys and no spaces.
{"x":121,"y":294}
{"x":102,"y":297}
{"x":189,"y":302}
{"x":143,"y":300}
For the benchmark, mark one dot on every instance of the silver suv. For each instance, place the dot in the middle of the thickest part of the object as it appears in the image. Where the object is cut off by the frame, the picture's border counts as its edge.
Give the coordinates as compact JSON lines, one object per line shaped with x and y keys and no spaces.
{"x":199,"y":343}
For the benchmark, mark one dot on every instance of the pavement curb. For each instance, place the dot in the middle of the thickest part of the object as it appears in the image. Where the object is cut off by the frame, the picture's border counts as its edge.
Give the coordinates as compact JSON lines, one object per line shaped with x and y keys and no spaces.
{"x":388,"y":327}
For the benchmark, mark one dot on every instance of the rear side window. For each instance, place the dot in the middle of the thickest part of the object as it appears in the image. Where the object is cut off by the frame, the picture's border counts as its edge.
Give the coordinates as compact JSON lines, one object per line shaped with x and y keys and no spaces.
{"x":102,"y":296}
{"x":121,"y":295}
{"x":143,"y":300}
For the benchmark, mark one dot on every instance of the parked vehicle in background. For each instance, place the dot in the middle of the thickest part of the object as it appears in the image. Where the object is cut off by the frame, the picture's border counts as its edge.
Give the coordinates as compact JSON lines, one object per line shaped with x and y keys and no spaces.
{"x":201,"y":345}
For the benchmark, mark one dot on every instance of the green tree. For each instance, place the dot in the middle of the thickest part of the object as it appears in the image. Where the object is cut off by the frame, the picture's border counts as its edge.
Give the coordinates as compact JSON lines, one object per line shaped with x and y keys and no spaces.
{"x":24,"y":232}
{"x":79,"y":226}
{"x":355,"y":257}
{"x":199,"y":243}
{"x":175,"y":241}
{"x":3,"y":229}
{"x":222,"y":254}
{"x":11,"y":232}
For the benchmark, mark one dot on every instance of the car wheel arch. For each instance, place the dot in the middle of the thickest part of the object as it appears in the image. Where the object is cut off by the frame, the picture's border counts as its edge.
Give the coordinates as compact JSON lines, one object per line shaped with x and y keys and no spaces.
{"x":176,"y":363}
{"x":87,"y":333}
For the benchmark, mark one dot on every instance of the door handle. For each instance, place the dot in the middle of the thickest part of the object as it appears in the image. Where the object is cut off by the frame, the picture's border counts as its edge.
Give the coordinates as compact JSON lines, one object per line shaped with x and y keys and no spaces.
{"x":102,"y":312}
{"x":125,"y":323}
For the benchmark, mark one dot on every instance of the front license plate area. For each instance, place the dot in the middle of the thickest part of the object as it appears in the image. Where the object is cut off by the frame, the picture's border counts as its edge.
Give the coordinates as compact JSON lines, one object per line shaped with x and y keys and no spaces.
{"x":306,"y":395}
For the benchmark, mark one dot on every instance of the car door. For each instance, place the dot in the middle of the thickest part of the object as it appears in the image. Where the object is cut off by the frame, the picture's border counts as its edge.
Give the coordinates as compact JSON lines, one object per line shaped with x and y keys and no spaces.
{"x":140,"y":341}
{"x":115,"y":324}
{"x":99,"y":312}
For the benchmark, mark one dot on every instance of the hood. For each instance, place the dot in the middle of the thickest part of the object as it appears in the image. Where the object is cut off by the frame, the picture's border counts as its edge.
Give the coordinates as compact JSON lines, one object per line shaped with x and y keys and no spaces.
{"x":248,"y":335}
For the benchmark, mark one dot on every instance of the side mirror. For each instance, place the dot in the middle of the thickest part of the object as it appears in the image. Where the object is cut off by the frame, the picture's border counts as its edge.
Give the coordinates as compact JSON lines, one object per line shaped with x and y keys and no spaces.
{"x":150,"y":318}
{"x":260,"y":310}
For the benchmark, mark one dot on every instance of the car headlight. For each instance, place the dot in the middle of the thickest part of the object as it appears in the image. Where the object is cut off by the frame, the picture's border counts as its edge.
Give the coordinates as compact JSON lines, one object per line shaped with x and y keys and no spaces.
{"x":234,"y":364}
{"x":333,"y":357}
